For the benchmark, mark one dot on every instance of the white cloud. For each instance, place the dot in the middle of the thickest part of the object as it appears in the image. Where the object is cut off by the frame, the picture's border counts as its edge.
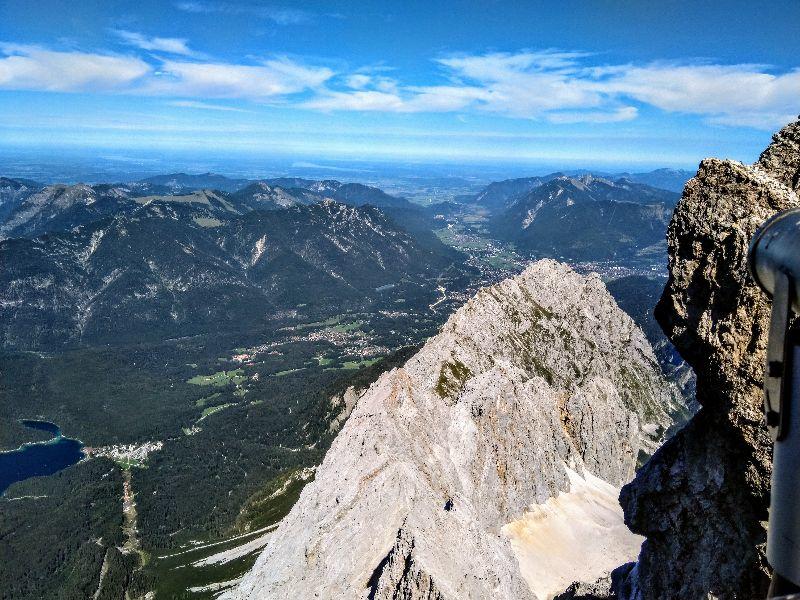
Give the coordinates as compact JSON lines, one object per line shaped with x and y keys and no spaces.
{"x":562,"y":88}
{"x":205,"y":106}
{"x":500,"y":65}
{"x":363,"y":79}
{"x":39,"y":69}
{"x":431,"y":99}
{"x":527,"y":85}
{"x":745,"y":94}
{"x":35,"y":68}
{"x":557,"y":87}
{"x":156,"y":44}
{"x":623,"y":113}
{"x":361,"y":100}
{"x":385,"y":84}
{"x":768,"y":121}
{"x":279,"y":15}
{"x":274,"y":78}
{"x":357,"y":81}
{"x":445,"y":98}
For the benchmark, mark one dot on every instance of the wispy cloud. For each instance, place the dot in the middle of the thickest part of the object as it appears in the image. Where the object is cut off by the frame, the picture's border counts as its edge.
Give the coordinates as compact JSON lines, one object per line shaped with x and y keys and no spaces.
{"x":727,"y":94}
{"x":39,"y":69}
{"x":35,"y":68}
{"x":564,"y":87}
{"x":155,"y":44}
{"x":360,"y":100}
{"x":276,"y":14}
{"x":551,"y":86}
{"x":527,"y":85}
{"x":206,"y":106}
{"x":357,"y":81}
{"x":273,"y":78}
{"x":366,"y":78}
{"x":623,"y":113}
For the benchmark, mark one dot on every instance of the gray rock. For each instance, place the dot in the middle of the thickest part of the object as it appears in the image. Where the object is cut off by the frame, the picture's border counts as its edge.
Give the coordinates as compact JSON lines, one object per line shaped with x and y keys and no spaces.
{"x":535,"y":384}
{"x":596,"y":590}
{"x":398,"y":576}
{"x":702,"y":499}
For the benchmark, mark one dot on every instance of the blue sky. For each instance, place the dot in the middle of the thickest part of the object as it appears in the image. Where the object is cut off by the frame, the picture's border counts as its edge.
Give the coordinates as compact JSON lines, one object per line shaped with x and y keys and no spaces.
{"x":612,"y":83}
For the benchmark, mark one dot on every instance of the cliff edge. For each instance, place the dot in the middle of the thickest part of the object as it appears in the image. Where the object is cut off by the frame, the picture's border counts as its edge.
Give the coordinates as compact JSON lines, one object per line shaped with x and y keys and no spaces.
{"x":702,"y":499}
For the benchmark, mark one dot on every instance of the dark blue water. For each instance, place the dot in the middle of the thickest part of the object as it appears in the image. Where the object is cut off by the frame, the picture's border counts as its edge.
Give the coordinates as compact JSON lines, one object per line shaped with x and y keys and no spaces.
{"x":41,"y":458}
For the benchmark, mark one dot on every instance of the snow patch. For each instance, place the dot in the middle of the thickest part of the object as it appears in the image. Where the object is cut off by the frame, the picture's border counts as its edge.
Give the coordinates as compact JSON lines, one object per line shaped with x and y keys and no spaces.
{"x":578,"y":535}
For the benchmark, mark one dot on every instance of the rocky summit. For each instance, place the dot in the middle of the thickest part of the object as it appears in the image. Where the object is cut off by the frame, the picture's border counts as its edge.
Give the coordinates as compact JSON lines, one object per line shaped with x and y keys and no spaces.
{"x":702,"y":499}
{"x":488,"y":466}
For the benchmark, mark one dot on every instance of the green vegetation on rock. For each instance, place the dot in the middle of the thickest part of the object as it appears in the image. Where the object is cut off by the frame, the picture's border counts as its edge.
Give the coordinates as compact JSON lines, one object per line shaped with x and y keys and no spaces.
{"x":452,"y":377}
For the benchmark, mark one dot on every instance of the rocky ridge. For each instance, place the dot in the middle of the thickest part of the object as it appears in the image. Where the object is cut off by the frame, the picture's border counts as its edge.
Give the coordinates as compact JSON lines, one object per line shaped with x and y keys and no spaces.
{"x":13,"y":192}
{"x":516,"y":422}
{"x":559,"y":218}
{"x":173,"y":267}
{"x":42,"y":211}
{"x":261,"y":195}
{"x":702,"y":499}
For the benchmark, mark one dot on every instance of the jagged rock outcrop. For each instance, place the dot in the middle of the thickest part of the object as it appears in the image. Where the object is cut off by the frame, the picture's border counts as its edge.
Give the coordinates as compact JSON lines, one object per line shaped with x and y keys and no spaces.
{"x":344,"y":403}
{"x":596,"y":590}
{"x":493,"y":451}
{"x":702,"y":499}
{"x":398,"y":575}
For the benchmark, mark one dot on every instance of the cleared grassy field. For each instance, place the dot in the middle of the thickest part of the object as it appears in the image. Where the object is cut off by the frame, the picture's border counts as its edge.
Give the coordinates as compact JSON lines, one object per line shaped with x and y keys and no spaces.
{"x":206,"y":399}
{"x":213,"y":409}
{"x":287,"y":372}
{"x":325,"y":323}
{"x":352,"y":365}
{"x":334,"y":323}
{"x":347,"y":327}
{"x":220,"y":378}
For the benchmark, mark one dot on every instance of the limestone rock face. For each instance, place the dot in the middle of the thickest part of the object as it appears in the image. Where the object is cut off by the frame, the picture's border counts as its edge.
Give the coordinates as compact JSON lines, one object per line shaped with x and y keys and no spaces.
{"x":597,"y":590}
{"x":702,"y":499}
{"x":538,"y":388}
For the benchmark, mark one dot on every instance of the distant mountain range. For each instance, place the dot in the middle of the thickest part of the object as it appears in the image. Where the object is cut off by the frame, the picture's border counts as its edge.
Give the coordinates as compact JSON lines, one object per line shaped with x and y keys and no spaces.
{"x":499,"y":195}
{"x":267,"y":196}
{"x":583,"y":218}
{"x":183,"y":265}
{"x":179,"y":182}
{"x":351,"y":193}
{"x":666,"y":179}
{"x":28,"y":209}
{"x":97,"y":263}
